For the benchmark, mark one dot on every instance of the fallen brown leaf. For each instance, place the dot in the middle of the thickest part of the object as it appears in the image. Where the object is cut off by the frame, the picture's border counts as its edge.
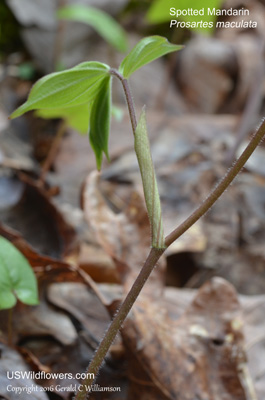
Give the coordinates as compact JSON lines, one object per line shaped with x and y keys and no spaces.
{"x":198,"y":356}
{"x":10,"y":362}
{"x":124,"y":236}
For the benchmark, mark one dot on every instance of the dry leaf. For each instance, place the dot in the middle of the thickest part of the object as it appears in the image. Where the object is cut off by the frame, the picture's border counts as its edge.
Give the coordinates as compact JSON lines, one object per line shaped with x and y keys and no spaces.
{"x":199,"y":356}
{"x":124,"y":236}
{"x":38,"y":321}
{"x":10,"y":362}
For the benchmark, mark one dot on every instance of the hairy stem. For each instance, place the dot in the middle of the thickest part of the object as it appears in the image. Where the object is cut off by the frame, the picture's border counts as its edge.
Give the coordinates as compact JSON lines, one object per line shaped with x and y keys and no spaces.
{"x":156,"y":253}
{"x":117,"y":322}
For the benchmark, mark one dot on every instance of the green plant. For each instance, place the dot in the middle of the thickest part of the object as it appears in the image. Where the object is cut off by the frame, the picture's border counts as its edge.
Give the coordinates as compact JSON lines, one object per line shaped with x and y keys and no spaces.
{"x":88,"y":87}
{"x":90,"y":84}
{"x":103,"y":24}
{"x":17,"y":280}
{"x":77,"y":117}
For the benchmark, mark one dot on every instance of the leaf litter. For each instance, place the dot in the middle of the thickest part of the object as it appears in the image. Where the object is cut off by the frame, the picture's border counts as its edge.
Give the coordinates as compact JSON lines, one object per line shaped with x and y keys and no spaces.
{"x":177,"y":343}
{"x":132,"y":225}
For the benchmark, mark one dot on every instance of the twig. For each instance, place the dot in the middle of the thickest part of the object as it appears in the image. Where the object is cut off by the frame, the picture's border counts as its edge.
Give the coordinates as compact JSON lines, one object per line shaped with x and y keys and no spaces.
{"x":53,"y":152}
{"x":89,"y":281}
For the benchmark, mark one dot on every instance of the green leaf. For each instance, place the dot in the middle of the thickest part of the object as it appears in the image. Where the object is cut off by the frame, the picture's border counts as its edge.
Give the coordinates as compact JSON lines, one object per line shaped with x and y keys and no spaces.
{"x":151,"y":194}
{"x":17,"y":279}
{"x":160,"y":12}
{"x":100,"y":122}
{"x":76,"y":117}
{"x":72,"y":87}
{"x":105,"y":25}
{"x":146,"y":51}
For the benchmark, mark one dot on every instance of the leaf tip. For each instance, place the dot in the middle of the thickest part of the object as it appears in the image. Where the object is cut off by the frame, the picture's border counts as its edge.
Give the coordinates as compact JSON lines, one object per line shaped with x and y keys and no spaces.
{"x":106,"y":152}
{"x":13,"y":115}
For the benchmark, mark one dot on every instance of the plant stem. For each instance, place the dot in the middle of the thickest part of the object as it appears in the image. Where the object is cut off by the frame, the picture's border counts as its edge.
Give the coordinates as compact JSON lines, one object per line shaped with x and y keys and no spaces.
{"x":146,"y":166}
{"x":117,"y":322}
{"x":129,"y":98}
{"x":10,"y":327}
{"x":155,"y":253}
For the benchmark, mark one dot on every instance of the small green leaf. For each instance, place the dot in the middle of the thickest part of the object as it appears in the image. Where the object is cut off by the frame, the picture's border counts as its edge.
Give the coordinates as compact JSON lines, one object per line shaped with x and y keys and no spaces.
{"x":72,"y":87}
{"x":100,"y":122}
{"x":76,"y":117}
{"x":146,"y":51}
{"x":17,"y":280}
{"x":151,"y":194}
{"x":105,"y":25}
